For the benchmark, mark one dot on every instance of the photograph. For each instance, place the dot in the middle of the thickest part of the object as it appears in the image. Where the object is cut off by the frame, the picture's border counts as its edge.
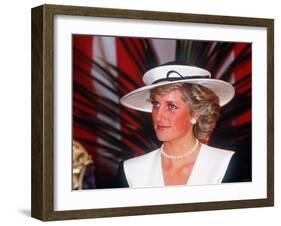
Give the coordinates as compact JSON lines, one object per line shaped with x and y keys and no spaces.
{"x":153,"y":112}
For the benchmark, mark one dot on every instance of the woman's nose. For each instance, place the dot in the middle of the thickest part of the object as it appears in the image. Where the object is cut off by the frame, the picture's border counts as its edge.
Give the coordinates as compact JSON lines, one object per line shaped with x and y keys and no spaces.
{"x":161,"y":114}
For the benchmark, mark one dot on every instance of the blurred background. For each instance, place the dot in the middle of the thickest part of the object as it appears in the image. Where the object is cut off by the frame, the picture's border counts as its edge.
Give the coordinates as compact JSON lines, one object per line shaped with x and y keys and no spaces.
{"x":105,"y":133}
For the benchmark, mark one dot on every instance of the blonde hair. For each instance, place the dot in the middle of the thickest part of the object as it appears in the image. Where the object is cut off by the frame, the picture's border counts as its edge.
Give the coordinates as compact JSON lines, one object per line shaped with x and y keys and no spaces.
{"x":201,"y":101}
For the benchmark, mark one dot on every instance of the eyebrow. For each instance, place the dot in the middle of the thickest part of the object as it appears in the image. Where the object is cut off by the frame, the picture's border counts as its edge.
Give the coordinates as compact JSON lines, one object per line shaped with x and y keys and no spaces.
{"x":166,"y":102}
{"x":153,"y":99}
{"x":170,"y":102}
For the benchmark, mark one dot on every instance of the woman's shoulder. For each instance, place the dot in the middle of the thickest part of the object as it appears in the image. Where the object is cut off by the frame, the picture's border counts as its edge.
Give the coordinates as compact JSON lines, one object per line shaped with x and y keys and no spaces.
{"x":139,"y":170}
{"x":213,"y":163}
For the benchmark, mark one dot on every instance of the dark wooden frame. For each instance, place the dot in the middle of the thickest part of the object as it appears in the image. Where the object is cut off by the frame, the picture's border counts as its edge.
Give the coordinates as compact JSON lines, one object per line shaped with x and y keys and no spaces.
{"x":42,"y":203}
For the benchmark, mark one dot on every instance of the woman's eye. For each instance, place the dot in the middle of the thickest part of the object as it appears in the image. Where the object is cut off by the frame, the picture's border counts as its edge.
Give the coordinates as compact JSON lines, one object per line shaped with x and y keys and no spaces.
{"x":172,"y":107}
{"x":155,"y":104}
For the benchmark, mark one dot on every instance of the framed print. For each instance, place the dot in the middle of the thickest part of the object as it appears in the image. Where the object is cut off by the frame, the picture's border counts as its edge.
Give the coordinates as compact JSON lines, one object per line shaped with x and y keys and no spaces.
{"x":117,"y":95}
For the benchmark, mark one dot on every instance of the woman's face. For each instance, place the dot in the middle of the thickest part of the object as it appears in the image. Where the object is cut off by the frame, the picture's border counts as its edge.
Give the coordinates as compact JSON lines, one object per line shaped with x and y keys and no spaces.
{"x":171,"y":116}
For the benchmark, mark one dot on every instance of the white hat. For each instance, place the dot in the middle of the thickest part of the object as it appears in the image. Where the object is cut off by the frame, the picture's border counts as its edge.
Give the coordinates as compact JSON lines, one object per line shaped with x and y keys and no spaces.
{"x":169,"y":74}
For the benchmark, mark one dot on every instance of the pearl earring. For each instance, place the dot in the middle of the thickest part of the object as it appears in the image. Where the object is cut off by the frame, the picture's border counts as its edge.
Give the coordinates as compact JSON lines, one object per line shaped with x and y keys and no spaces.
{"x":193,"y":121}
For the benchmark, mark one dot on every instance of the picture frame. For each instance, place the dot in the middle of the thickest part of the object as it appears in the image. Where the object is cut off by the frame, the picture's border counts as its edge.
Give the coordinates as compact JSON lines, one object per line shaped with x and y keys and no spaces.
{"x":44,"y":88}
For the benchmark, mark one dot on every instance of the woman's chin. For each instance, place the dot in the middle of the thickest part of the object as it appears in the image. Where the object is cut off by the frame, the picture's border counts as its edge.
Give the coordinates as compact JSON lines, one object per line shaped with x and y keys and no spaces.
{"x":163,"y":138}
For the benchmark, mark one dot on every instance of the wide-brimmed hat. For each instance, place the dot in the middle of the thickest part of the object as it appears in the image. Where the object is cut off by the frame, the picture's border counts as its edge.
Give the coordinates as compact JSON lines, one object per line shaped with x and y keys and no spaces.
{"x":169,"y":74}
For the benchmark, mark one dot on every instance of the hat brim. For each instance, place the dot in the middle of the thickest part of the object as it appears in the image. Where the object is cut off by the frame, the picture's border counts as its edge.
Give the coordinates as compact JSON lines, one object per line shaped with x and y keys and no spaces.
{"x":139,"y":98}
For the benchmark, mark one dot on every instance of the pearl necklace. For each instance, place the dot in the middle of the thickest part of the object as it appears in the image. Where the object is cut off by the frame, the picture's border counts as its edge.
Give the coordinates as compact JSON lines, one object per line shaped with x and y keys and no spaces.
{"x":179,"y":156}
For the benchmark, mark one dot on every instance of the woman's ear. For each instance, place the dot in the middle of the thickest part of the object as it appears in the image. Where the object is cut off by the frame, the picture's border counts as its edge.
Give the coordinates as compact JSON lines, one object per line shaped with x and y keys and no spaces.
{"x":196,"y":116}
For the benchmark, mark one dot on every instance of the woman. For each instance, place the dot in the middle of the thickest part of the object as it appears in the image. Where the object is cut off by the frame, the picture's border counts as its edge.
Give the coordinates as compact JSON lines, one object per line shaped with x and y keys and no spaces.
{"x":185,"y":104}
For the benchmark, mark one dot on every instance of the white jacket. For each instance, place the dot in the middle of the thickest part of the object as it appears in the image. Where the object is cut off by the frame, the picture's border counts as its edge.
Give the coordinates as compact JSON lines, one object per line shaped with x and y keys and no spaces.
{"x":209,"y":168}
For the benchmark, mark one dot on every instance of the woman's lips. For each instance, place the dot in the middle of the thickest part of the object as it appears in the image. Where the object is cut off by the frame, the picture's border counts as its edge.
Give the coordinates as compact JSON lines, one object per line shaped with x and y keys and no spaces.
{"x":162,"y":127}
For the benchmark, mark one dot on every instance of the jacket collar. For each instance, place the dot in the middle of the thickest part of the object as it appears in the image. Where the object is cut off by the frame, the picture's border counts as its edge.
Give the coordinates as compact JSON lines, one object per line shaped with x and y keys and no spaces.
{"x":209,"y":168}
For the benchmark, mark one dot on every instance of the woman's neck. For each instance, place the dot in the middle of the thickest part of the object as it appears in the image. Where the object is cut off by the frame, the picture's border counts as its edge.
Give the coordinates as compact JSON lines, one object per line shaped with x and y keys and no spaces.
{"x":179,"y":146}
